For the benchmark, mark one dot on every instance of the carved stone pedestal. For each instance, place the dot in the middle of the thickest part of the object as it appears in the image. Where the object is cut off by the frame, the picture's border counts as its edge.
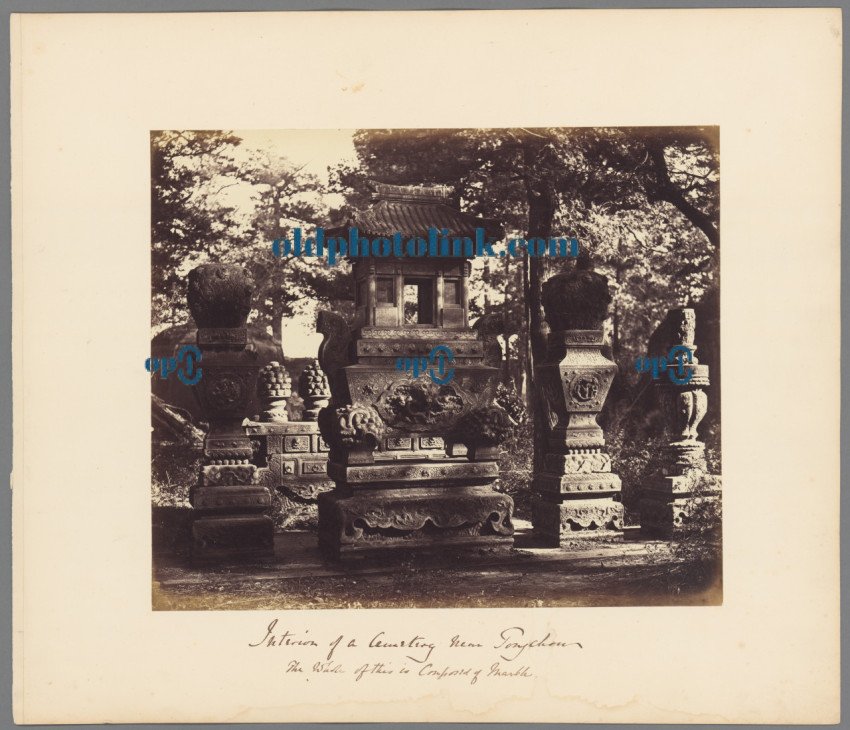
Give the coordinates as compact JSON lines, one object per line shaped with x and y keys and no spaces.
{"x":228,"y":501}
{"x":681,"y":484}
{"x":396,"y":485}
{"x":670,"y":502}
{"x":374,"y":520}
{"x":293,"y":460}
{"x":292,"y":457}
{"x":575,"y":492}
{"x":557,"y":521}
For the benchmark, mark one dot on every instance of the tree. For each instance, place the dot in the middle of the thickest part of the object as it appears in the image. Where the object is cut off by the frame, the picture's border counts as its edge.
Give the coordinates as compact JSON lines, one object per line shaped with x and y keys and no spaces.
{"x":214,"y":201}
{"x":644,"y":201}
{"x":186,"y":215}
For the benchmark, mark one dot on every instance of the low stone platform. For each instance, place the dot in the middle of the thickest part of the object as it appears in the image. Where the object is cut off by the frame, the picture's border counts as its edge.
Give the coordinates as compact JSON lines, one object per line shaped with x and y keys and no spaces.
{"x":622,"y":571}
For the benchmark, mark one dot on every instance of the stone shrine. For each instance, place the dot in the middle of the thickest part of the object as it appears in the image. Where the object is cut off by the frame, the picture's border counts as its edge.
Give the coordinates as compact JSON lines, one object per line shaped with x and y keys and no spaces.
{"x":413,"y":460}
{"x":229,"y":502}
{"x":575,"y":492}
{"x":681,"y":482}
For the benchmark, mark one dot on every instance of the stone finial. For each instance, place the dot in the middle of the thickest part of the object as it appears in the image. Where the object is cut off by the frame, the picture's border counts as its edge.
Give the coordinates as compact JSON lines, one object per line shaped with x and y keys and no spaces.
{"x":314,"y":390}
{"x":577,"y":299}
{"x":220,"y":295}
{"x":677,"y":328}
{"x":274,"y":388}
{"x":333,"y":352}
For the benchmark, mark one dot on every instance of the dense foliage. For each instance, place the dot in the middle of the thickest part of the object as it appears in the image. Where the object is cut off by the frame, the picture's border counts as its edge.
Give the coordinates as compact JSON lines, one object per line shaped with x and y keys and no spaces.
{"x":644,"y":202}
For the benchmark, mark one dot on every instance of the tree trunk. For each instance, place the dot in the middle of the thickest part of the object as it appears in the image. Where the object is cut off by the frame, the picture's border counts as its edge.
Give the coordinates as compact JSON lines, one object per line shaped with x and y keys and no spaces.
{"x":277,"y":326}
{"x":615,"y":330}
{"x":541,"y":210}
{"x":507,"y":376}
{"x":277,"y":274}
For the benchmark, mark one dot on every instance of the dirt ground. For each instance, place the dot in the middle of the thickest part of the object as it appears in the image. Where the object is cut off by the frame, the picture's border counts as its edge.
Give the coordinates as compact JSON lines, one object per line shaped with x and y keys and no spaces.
{"x":621,"y":571}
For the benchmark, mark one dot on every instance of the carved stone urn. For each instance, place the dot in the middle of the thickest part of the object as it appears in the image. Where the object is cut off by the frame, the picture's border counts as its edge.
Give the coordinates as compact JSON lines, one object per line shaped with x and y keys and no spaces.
{"x":228,"y":501}
{"x":219,"y":296}
{"x":575,"y":492}
{"x":413,"y":456}
{"x":681,"y":482}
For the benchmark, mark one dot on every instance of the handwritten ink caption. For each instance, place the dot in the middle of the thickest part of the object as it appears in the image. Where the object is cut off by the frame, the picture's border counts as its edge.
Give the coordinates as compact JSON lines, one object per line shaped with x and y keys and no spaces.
{"x":513,"y":649}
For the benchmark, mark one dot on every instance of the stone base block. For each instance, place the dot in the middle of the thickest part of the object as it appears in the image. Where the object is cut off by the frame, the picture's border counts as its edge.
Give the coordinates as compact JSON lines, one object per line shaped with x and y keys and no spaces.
{"x":693,"y":480}
{"x":228,"y":474}
{"x":373,"y":521}
{"x":571,"y":518}
{"x":664,"y":513}
{"x":431,"y":474}
{"x":681,"y":457}
{"x":253,"y":498}
{"x":232,"y":537}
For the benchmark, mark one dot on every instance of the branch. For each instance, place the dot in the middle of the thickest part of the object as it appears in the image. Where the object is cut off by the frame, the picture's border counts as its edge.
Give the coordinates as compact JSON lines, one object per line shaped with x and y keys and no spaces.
{"x":670,"y":192}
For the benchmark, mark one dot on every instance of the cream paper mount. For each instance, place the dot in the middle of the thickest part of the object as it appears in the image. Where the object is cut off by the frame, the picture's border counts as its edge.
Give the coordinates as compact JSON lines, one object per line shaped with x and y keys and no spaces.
{"x":88,"y":90}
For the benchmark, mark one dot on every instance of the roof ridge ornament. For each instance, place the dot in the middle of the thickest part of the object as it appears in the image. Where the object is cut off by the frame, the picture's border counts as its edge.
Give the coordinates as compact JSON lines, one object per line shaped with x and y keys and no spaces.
{"x":412,"y":193}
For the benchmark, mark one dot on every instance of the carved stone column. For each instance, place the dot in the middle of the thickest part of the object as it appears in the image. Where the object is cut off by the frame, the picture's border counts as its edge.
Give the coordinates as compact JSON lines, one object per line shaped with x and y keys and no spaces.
{"x":681,"y":481}
{"x":575,"y":492}
{"x":228,"y":500}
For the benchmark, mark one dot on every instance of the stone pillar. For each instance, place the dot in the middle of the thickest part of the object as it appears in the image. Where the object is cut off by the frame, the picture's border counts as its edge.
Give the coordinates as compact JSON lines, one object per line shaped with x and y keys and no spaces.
{"x":229,"y":503}
{"x":575,"y":492}
{"x":681,"y":480}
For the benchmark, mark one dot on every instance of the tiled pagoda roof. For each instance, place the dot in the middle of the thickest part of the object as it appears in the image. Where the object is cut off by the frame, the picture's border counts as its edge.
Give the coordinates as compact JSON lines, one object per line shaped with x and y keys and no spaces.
{"x":411,"y":210}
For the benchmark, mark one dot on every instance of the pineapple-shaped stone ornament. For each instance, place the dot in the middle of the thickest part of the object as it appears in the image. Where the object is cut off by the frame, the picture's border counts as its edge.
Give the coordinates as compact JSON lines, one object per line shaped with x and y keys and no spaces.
{"x":314,"y":390}
{"x":274,"y":388}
